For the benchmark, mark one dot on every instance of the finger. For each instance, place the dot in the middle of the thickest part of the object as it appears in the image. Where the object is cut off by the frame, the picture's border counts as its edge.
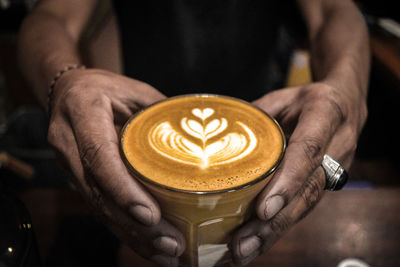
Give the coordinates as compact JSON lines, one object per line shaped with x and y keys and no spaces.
{"x":245,"y":261}
{"x":129,"y":100}
{"x":247,"y":242}
{"x":161,"y":243}
{"x":141,"y":93}
{"x":167,"y":239}
{"x":276,"y":102}
{"x":342,"y":149}
{"x":129,"y":91}
{"x":147,"y":95}
{"x":122,"y":113}
{"x":305,"y":200}
{"x":97,"y":141}
{"x":62,"y":139}
{"x":343,"y":145}
{"x":283,"y":106}
{"x":162,"y":238}
{"x":307,"y":145}
{"x":257,"y":236}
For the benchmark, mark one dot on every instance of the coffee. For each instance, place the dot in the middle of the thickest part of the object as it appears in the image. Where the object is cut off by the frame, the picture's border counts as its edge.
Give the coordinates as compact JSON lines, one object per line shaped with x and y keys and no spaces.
{"x":204,"y":158}
{"x":202,"y":143}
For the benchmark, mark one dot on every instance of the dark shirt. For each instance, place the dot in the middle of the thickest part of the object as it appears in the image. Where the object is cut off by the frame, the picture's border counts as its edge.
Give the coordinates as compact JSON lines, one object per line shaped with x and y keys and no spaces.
{"x":239,"y":48}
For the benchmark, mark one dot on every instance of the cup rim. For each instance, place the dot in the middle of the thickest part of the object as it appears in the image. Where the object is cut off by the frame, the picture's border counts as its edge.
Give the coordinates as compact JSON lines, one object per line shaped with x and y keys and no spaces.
{"x":144,"y":179}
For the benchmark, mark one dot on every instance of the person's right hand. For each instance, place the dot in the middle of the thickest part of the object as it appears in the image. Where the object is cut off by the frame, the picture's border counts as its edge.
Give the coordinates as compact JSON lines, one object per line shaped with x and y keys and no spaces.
{"x":88,"y":109}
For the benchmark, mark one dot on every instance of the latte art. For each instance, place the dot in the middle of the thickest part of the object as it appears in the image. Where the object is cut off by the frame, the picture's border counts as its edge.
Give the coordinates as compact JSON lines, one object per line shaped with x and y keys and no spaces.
{"x":228,"y":148}
{"x":201,"y":143}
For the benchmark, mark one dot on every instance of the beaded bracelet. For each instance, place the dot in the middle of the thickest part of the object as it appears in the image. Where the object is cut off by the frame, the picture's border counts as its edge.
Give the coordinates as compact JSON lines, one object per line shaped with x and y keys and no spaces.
{"x":56,"y":78}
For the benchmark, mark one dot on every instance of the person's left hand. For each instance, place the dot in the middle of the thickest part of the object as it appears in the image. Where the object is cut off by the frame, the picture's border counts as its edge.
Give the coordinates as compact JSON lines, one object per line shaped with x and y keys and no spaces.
{"x":320,"y":119}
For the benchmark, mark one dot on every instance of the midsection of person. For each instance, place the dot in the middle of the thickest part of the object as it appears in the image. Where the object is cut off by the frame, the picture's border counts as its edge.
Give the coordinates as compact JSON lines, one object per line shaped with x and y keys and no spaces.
{"x":226,"y":47}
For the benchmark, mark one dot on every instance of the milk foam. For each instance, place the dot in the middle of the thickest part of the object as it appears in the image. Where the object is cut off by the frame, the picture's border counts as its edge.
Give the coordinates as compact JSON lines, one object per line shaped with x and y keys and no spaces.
{"x":202,"y":143}
{"x":229,"y":147}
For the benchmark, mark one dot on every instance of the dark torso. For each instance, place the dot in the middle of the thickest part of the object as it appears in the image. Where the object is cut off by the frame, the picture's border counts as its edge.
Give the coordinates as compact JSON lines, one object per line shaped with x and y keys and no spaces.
{"x":236,"y":48}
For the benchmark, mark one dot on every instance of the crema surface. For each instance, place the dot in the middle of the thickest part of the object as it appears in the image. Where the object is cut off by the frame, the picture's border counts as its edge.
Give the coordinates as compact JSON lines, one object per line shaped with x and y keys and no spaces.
{"x":202,"y":143}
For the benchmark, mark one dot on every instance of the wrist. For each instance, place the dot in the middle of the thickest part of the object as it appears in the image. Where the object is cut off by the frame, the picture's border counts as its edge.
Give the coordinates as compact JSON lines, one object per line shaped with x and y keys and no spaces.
{"x":347,"y":80}
{"x":53,"y":82}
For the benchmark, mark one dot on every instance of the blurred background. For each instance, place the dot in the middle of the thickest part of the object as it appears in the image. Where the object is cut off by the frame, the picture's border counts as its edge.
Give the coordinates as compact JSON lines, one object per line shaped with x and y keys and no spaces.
{"x":44,"y":222}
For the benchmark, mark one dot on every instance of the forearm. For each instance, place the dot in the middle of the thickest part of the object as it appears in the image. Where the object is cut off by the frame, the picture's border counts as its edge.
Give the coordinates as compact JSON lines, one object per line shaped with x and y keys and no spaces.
{"x":339,"y":46}
{"x":49,"y":41}
{"x":45,"y":47}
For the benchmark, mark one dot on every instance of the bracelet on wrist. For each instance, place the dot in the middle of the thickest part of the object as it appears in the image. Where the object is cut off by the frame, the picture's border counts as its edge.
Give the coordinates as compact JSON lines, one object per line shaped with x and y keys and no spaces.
{"x":54,"y":81}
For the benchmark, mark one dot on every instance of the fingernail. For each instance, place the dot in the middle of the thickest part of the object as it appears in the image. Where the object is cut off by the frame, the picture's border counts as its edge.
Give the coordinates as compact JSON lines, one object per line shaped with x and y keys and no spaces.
{"x":166,"y":244}
{"x":142,"y":214}
{"x":273,"y":205}
{"x":248,"y":245}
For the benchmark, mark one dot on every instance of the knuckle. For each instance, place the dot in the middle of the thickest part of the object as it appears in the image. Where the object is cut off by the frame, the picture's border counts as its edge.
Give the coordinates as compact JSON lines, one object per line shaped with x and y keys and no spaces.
{"x":72,"y":96}
{"x":96,"y":201}
{"x":363,"y":115}
{"x":353,"y":149}
{"x":353,"y":144}
{"x":312,"y":150}
{"x":311,"y":192}
{"x":90,"y":157}
{"x":76,"y":99}
{"x":326,"y":97}
{"x":351,"y":141}
{"x":52,"y":134}
{"x":143,"y":86}
{"x":336,"y":109}
{"x":94,"y":165}
{"x":57,"y":138}
{"x":280,"y":224}
{"x":103,"y":211}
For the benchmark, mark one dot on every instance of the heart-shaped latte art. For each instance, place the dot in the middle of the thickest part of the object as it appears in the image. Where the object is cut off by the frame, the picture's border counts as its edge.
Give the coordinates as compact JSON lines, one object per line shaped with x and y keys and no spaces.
{"x":203,"y":114}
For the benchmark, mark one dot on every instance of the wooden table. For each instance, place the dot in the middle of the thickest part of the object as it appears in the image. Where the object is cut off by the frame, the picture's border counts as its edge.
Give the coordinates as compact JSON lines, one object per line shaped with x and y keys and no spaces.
{"x":353,"y":223}
{"x":364,"y":224}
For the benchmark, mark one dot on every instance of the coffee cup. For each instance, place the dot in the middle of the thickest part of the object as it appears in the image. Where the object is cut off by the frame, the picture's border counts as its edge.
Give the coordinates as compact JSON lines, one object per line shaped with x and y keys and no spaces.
{"x":204,"y":158}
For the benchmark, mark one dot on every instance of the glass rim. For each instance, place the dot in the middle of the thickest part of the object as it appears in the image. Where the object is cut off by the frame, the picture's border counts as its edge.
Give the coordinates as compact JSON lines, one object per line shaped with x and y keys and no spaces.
{"x":193,"y":192}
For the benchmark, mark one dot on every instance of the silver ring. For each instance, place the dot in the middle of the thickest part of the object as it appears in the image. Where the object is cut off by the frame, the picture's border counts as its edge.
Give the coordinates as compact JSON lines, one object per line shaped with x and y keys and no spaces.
{"x":336,"y":175}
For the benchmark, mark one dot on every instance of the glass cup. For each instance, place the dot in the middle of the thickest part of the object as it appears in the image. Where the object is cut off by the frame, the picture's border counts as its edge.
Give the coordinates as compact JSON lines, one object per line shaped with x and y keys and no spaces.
{"x":207,"y":219}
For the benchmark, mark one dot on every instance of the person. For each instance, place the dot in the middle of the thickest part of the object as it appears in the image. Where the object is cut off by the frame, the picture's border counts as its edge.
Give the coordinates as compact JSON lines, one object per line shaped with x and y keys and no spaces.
{"x":175,"y":47}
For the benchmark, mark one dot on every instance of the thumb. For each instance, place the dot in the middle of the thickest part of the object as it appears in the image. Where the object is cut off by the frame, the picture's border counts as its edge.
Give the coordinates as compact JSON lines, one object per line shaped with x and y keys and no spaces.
{"x":273,"y":103}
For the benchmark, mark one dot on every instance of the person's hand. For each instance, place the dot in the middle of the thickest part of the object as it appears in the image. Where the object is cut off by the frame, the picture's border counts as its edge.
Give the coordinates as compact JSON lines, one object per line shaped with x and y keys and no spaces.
{"x":89,"y":108}
{"x":320,"y":119}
